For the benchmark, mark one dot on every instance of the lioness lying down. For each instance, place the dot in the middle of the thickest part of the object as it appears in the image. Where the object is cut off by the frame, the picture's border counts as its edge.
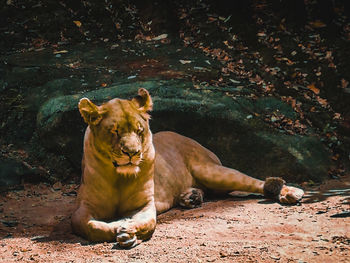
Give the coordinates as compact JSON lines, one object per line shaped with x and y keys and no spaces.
{"x":129,"y":177}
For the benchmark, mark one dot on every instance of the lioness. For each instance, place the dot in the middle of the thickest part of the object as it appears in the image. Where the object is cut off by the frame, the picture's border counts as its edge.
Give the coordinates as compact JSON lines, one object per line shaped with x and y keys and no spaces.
{"x":129,"y":177}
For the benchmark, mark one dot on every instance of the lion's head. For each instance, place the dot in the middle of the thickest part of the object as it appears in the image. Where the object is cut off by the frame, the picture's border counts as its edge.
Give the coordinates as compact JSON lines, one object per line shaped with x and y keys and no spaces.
{"x":120,"y":130}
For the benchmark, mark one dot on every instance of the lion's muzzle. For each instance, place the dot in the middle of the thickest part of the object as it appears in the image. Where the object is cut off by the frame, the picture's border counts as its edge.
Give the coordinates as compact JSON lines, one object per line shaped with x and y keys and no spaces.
{"x":130,"y":144}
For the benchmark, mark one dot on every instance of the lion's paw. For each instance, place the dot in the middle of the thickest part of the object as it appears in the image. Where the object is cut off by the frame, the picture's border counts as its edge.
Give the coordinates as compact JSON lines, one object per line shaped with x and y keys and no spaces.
{"x":192,"y":198}
{"x":290,"y":195}
{"x":125,"y":238}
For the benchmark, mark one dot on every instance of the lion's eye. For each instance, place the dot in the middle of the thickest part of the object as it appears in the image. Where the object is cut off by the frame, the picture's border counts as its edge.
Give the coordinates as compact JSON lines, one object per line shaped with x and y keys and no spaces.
{"x":140,"y":130}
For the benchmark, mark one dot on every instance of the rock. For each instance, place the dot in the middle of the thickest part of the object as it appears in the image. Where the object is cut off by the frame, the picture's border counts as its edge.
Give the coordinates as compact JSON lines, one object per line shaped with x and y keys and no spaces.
{"x":51,"y":89}
{"x":3,"y":84}
{"x":225,"y":125}
{"x":25,"y":70}
{"x":57,"y":186}
{"x":14,"y":172}
{"x":9,"y":223}
{"x":11,"y":173}
{"x":37,"y":238}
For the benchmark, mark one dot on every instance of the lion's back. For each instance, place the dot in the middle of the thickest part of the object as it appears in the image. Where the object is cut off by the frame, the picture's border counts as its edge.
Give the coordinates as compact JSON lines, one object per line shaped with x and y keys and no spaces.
{"x":172,"y":146}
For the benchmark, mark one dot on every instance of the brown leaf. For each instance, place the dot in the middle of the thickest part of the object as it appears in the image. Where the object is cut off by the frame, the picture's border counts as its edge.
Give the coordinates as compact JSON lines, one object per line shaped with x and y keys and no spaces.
{"x":335,"y":157}
{"x":313,"y":88}
{"x":317,"y":24}
{"x":261,"y":34}
{"x":77,"y":23}
{"x":183,"y":62}
{"x":60,"y":52}
{"x":211,"y":19}
{"x":160,"y":37}
{"x":328,"y":55}
{"x":337,"y":116}
{"x":344,"y":83}
{"x":323,"y":102}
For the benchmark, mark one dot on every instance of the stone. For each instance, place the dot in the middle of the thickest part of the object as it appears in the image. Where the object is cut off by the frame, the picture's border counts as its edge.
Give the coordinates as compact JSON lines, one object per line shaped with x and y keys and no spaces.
{"x":11,"y":173}
{"x":14,"y":172}
{"x":224,"y":124}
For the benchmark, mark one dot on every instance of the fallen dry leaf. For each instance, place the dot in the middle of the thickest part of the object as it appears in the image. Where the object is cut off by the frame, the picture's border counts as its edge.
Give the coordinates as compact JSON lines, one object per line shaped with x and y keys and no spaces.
{"x":77,"y":23}
{"x":183,"y":62}
{"x":60,"y":52}
{"x":160,"y":37}
{"x":313,"y":88}
{"x":323,"y":102}
{"x":317,"y":24}
{"x":344,"y":83}
{"x":337,"y":116}
{"x":328,"y":55}
{"x":211,"y":19}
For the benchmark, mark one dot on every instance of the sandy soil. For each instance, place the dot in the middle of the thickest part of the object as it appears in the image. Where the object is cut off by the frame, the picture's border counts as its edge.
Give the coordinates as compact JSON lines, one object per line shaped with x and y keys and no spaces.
{"x":35,"y":227}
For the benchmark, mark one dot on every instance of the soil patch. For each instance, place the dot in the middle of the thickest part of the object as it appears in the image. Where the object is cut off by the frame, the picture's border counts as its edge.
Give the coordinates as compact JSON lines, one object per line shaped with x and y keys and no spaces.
{"x":35,"y":227}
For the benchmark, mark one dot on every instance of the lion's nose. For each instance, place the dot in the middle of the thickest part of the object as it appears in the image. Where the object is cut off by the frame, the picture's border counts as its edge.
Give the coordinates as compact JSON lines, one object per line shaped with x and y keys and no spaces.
{"x":130,"y":145}
{"x":130,"y":152}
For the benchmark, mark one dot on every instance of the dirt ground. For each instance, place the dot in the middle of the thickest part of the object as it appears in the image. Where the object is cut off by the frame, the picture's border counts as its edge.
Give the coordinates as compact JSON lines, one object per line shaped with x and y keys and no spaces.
{"x":35,"y":227}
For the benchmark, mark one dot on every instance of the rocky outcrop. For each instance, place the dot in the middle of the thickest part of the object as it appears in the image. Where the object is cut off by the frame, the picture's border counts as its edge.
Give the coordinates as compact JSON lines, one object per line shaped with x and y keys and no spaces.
{"x":226,"y":120}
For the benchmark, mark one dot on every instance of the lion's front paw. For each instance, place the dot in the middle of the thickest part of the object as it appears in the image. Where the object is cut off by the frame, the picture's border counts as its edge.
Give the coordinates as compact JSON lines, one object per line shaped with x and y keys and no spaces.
{"x":125,"y":238}
{"x":290,"y":195}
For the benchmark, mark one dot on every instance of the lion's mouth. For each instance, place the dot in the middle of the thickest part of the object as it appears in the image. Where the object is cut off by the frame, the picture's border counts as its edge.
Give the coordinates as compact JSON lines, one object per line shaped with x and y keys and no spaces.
{"x":127,"y":169}
{"x":129,"y":164}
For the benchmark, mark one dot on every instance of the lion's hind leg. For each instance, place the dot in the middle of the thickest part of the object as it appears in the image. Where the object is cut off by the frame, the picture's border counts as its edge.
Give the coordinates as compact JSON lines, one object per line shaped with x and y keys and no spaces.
{"x":222,"y":179}
{"x":191,"y":198}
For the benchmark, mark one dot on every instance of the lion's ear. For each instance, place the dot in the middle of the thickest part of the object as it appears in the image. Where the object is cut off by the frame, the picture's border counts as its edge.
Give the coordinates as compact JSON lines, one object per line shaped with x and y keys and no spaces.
{"x":89,"y":112}
{"x":143,"y":100}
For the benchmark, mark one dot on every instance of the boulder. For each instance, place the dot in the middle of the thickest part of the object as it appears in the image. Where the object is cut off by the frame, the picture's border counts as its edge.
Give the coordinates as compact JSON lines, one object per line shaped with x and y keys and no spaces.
{"x":12,"y":173}
{"x":225,"y":120}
